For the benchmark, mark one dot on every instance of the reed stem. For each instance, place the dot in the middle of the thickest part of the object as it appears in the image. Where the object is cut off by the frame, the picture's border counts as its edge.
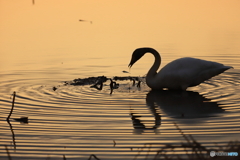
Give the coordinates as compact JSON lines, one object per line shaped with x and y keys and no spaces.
{"x":14,"y":94}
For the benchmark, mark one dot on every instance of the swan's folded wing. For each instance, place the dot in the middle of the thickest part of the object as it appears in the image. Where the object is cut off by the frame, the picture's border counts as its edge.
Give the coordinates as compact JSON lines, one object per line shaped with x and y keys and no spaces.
{"x":207,"y":74}
{"x":187,"y":72}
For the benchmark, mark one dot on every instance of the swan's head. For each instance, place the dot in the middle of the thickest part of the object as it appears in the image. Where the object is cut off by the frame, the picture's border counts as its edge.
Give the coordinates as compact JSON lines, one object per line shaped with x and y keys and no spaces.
{"x":136,"y":55}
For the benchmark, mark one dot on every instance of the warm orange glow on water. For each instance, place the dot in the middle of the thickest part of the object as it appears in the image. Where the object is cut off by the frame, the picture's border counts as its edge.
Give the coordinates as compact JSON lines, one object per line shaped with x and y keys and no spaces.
{"x":44,"y":44}
{"x":52,"y":30}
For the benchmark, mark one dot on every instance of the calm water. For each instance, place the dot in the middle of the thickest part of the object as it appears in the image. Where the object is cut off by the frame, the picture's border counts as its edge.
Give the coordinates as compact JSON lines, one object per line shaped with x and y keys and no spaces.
{"x":77,"y":121}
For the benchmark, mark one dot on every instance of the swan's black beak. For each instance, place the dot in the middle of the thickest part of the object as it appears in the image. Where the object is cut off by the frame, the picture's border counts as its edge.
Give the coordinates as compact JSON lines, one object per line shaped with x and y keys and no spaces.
{"x":131,"y":63}
{"x":136,"y":55}
{"x":133,"y":60}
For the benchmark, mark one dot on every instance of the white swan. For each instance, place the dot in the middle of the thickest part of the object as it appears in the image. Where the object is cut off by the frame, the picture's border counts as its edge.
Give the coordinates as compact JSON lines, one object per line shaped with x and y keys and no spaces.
{"x":178,"y":74}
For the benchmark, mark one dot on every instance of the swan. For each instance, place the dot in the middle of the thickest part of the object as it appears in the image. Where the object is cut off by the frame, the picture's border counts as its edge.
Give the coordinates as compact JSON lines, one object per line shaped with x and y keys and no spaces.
{"x":178,"y":74}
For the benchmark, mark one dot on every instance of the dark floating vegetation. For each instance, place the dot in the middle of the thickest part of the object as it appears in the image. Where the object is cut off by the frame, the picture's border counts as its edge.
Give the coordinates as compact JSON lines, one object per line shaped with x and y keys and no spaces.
{"x":97,"y":82}
{"x":87,"y":81}
{"x":99,"y":79}
{"x":22,"y":120}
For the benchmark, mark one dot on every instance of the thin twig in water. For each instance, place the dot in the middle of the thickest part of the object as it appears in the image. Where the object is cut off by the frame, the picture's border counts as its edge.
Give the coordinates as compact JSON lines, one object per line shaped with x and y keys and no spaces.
{"x":14,"y":94}
{"x":13,"y":135}
{"x":150,"y":146}
{"x":140,"y":150}
{"x":114,"y":143}
{"x":185,"y":137}
{"x":139,"y":84}
{"x":9,"y":156}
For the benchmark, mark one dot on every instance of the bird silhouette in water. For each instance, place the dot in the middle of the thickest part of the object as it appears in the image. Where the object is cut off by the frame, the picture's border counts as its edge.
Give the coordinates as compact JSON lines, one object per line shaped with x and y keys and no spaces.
{"x":178,"y":74}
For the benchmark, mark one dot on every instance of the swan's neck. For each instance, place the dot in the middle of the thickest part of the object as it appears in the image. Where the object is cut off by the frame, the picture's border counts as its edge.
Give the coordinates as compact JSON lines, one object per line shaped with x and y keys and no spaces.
{"x":153,"y":70}
{"x":151,"y":75}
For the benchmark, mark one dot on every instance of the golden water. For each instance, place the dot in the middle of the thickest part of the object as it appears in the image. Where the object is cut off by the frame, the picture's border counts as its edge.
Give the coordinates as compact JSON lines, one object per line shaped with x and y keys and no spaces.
{"x":45,"y":44}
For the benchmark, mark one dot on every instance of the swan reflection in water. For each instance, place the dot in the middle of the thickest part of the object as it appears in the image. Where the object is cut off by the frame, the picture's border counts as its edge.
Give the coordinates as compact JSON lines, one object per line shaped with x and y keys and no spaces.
{"x":183,"y":106}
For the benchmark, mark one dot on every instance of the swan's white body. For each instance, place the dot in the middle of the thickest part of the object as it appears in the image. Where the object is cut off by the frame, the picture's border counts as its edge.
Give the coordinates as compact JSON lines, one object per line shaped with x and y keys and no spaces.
{"x":180,"y":73}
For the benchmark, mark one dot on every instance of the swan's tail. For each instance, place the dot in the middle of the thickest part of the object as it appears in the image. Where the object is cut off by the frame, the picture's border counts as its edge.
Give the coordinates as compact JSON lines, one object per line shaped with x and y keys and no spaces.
{"x":205,"y":75}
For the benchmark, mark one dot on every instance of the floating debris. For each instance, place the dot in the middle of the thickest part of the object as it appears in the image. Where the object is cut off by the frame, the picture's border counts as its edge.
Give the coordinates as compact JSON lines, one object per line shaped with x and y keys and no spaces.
{"x":94,"y":80}
{"x":81,"y":20}
{"x":22,"y":120}
{"x":138,"y":84}
{"x":88,"y":81}
{"x":133,"y":81}
{"x":125,"y":71}
{"x":54,"y":88}
{"x":98,"y":85}
{"x":125,"y":78}
{"x":113,"y":85}
{"x":97,"y":82}
{"x":65,"y":83}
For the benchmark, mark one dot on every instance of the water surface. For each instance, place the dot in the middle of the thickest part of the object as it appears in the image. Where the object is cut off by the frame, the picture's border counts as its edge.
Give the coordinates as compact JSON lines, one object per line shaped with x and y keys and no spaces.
{"x":77,"y":121}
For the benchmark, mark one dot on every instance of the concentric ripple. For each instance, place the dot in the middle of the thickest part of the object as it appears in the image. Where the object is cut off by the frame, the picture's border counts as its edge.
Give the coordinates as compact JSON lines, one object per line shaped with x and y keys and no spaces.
{"x":77,"y":121}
